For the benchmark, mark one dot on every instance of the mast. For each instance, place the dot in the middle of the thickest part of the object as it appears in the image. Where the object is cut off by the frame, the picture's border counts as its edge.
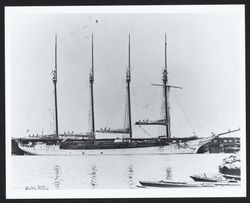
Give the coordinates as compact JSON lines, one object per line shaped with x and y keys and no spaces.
{"x":166,"y":104}
{"x":54,"y":82}
{"x":166,"y":93}
{"x":128,"y":126}
{"x":128,"y":79}
{"x":91,"y":82}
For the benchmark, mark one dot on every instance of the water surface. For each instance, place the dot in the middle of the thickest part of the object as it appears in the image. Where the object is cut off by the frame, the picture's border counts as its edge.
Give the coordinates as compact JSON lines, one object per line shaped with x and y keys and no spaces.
{"x":107,"y":171}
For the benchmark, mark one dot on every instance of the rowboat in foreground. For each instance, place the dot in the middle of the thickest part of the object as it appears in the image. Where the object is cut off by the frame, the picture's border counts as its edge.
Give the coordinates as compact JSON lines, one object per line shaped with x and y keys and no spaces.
{"x":231,"y":177}
{"x":173,"y":184}
{"x":216,"y":178}
{"x":205,"y":178}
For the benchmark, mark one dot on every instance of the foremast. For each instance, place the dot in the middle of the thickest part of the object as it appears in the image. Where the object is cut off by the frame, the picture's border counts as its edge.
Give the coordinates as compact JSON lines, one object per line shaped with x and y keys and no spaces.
{"x":54,"y":79}
{"x":91,"y":83}
{"x":128,"y":79}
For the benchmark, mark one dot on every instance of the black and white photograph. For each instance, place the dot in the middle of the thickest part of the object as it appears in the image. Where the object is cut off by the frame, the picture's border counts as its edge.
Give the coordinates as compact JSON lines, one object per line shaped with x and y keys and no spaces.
{"x":125,"y":101}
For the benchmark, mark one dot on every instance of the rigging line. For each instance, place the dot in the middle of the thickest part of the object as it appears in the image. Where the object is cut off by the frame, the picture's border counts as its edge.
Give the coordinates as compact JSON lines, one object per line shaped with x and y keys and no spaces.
{"x":90,"y":116}
{"x":145,"y":131}
{"x":52,"y":114}
{"x":149,"y":106}
{"x":52,"y":122}
{"x":155,"y":95}
{"x":189,"y":122}
{"x":126,"y":111}
{"x":118,"y":96}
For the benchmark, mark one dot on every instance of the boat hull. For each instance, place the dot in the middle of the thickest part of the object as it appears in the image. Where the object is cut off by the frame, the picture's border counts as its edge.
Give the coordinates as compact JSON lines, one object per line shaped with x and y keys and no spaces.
{"x":188,"y":147}
{"x":173,"y":184}
{"x":232,"y":177}
{"x":205,"y":179}
{"x":55,"y":150}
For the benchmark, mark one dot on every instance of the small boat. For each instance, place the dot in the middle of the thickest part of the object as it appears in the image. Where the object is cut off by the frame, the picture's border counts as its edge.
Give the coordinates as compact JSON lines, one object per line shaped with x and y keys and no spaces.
{"x":169,"y":184}
{"x":205,"y":178}
{"x":231,"y":166}
{"x":218,"y":180}
{"x":174,"y":184}
{"x":231,"y":177}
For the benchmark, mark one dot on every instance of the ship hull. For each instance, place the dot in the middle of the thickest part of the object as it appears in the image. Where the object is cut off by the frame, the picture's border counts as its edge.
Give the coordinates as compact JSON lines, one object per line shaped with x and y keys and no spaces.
{"x":129,"y":148}
{"x":55,"y":150}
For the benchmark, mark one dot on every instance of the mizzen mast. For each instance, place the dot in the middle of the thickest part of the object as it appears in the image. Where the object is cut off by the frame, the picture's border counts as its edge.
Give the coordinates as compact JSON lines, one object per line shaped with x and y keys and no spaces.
{"x":55,"y":87}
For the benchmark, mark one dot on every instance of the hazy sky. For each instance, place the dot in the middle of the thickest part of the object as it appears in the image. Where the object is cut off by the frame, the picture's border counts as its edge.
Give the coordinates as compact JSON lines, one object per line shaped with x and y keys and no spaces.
{"x":204,"y":57}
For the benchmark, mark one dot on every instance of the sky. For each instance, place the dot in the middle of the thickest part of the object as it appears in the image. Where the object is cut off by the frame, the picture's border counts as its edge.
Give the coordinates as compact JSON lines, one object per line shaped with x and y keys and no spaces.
{"x":205,"y":56}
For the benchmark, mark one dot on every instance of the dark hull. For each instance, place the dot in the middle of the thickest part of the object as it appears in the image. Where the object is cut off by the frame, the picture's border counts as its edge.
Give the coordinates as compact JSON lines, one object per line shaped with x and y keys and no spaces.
{"x":110,"y":144}
{"x":91,"y":144}
{"x":232,"y":177}
{"x":88,"y":146}
{"x":203,"y":179}
{"x":229,"y":171}
{"x":166,"y":184}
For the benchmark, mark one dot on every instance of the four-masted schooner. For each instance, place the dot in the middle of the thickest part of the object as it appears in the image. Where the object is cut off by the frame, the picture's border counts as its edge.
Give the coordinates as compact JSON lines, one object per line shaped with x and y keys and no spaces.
{"x":88,"y":144}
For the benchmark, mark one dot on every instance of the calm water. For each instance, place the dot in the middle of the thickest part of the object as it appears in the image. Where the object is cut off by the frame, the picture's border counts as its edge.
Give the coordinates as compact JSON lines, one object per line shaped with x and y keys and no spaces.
{"x":107,"y":171}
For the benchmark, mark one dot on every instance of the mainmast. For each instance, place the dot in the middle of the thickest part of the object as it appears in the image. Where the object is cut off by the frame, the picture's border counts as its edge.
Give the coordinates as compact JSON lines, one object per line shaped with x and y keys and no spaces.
{"x":128,"y":79}
{"x":54,"y":82}
{"x":166,"y":93}
{"x":91,"y":83}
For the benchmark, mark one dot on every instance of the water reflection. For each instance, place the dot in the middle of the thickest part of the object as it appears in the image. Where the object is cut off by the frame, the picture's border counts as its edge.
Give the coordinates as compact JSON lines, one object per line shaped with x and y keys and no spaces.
{"x":130,"y":176}
{"x":169,"y":173}
{"x":57,"y":180}
{"x":112,"y":172}
{"x":93,"y":181}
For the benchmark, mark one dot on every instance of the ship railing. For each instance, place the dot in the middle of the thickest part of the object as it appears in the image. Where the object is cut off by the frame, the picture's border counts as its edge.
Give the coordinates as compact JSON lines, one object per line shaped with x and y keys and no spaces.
{"x":109,"y":130}
{"x":150,"y":122}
